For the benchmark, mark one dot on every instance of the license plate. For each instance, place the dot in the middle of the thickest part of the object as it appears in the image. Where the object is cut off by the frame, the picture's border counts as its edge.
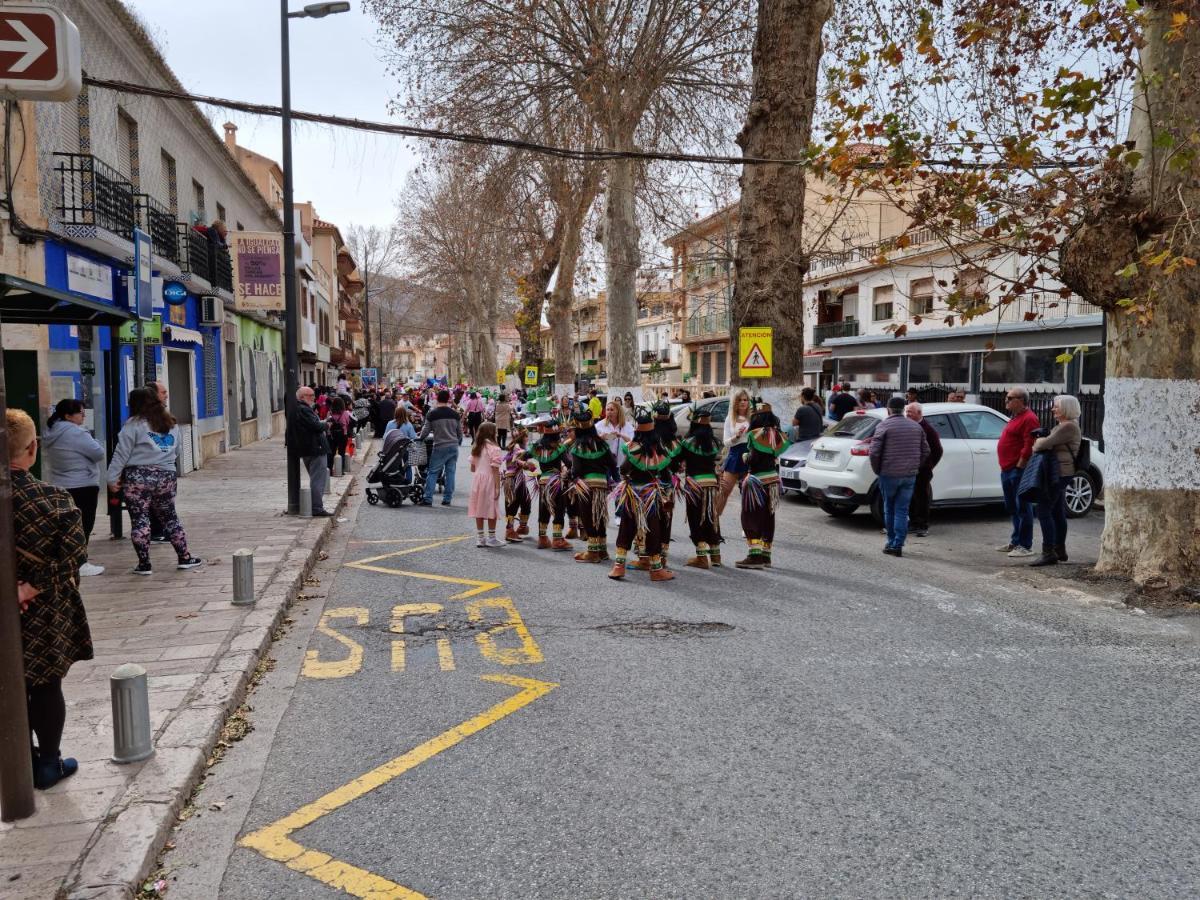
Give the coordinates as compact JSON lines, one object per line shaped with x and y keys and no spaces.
{"x":826,"y":455}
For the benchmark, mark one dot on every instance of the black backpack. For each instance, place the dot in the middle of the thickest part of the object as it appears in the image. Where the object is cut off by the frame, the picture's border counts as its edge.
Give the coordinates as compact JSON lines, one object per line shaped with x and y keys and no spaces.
{"x":337,"y":433}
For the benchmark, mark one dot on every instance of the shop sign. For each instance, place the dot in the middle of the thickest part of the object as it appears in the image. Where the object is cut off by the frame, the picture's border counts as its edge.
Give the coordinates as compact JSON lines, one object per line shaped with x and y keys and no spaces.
{"x":86,"y":276}
{"x":151,"y":332}
{"x":257,"y":270}
{"x":174,"y":293}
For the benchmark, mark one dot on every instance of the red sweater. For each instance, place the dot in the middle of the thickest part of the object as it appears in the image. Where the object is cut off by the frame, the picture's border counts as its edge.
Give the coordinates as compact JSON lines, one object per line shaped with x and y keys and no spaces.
{"x":1016,"y":441}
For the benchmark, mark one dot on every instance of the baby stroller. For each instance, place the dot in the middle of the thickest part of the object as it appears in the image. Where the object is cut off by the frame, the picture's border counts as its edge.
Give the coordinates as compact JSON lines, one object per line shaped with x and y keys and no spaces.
{"x":399,"y":474}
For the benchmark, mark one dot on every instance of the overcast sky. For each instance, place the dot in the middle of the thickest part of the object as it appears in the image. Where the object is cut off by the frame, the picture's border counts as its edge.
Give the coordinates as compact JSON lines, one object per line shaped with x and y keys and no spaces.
{"x":230,"y":48}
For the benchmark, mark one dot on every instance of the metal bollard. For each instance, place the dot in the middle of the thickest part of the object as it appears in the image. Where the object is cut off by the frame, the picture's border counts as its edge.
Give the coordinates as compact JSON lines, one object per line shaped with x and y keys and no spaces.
{"x":131,"y":714}
{"x":337,"y":466}
{"x":305,"y":501}
{"x":243,"y":577}
{"x":329,"y":485}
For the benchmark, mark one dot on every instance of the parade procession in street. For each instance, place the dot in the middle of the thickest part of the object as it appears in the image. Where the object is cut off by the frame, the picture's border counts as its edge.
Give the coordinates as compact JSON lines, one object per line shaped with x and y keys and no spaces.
{"x":577,"y":450}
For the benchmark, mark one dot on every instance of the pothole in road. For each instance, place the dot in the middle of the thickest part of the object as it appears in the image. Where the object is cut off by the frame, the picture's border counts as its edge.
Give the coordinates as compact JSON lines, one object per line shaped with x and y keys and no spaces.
{"x":666,"y":628}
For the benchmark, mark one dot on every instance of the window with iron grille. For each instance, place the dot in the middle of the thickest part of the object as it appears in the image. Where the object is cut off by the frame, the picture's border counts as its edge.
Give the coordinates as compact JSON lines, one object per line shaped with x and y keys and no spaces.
{"x":127,"y":147}
{"x":171,"y":182}
{"x":220,"y":212}
{"x":198,"y":199}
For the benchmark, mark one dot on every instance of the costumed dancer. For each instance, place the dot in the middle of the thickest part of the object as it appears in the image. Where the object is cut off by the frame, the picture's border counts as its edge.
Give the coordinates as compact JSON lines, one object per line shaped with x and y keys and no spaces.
{"x":553,"y":474}
{"x":760,"y":486}
{"x":591,"y":465}
{"x":698,"y":453}
{"x":668,"y":440}
{"x":640,"y":499}
{"x":515,"y":478}
{"x":575,"y":530}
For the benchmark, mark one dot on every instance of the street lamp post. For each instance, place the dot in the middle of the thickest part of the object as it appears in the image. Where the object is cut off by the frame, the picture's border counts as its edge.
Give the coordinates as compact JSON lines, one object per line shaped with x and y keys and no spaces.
{"x":291,"y":300}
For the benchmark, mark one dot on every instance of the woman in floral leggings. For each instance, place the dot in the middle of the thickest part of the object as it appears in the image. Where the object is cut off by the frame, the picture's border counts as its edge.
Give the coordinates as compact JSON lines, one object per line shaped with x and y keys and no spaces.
{"x":143,"y":468}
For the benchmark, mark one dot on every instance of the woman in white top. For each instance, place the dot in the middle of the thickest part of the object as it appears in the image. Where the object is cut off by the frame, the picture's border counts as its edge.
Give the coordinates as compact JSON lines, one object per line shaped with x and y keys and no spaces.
{"x":614,"y":429}
{"x":737,"y":424}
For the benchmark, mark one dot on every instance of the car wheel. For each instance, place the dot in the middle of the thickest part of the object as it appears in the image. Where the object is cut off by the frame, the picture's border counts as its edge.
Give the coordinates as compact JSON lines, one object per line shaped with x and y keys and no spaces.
{"x":1080,"y":495}
{"x":877,"y":508}
{"x":837,"y":510}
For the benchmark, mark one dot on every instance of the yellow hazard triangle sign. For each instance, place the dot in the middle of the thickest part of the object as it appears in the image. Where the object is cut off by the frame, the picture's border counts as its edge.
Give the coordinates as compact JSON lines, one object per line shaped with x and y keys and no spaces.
{"x":755,"y":359}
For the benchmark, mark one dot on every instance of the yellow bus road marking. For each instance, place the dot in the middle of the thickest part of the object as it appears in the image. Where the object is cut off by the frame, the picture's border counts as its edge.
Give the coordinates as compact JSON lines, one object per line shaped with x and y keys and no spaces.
{"x":355,"y":543}
{"x":481,"y":587}
{"x":315,"y":667}
{"x":428,"y":546}
{"x":275,"y":843}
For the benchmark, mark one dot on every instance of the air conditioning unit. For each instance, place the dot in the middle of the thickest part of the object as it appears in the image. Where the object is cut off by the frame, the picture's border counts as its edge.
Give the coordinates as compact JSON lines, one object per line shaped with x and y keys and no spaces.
{"x":211,"y":310}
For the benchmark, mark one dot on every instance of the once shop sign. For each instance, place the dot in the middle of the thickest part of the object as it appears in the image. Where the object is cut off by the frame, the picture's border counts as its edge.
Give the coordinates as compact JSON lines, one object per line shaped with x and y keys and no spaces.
{"x":257,"y":269}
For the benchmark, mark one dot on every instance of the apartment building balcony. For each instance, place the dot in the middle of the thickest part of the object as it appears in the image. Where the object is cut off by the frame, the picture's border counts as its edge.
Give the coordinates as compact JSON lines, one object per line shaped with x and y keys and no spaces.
{"x":917,"y":240}
{"x":708,"y":325}
{"x":159,"y":222}
{"x":347,"y":358}
{"x":194,"y":262}
{"x":221,"y":266}
{"x":822,"y":333}
{"x":96,"y":205}
{"x":308,"y":337}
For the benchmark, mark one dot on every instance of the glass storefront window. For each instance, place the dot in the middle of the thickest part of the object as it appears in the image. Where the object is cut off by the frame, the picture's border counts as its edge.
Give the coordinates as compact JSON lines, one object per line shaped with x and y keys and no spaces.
{"x":870,"y":370}
{"x":1035,"y":369}
{"x":1093,"y":366}
{"x":940,"y":368}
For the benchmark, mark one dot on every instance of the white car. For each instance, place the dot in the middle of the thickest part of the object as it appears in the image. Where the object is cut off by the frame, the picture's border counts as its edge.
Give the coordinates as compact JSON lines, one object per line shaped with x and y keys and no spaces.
{"x":837,"y":473}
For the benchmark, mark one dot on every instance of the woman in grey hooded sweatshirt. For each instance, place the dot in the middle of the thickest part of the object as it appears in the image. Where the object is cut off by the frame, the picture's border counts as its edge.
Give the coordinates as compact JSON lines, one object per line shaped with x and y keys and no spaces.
{"x":74,"y":457}
{"x":143,"y":469}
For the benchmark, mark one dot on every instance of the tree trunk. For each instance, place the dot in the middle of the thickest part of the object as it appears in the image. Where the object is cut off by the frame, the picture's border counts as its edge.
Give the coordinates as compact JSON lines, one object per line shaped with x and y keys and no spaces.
{"x":1152,"y":386}
{"x":564,"y":285}
{"x":621,"y":261}
{"x":531,"y":292}
{"x":770,"y":261}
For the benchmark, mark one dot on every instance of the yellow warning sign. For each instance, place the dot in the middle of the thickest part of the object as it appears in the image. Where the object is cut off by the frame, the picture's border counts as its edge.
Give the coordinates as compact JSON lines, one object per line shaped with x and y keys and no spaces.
{"x":754,"y":352}
{"x":531,"y":374}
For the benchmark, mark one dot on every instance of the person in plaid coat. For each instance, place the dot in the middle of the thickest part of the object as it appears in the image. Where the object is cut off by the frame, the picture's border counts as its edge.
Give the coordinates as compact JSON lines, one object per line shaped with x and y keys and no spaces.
{"x":51,"y":546}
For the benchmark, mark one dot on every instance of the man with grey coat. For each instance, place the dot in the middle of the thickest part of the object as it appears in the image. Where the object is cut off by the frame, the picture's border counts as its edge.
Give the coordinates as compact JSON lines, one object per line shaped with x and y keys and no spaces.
{"x":898,"y":450}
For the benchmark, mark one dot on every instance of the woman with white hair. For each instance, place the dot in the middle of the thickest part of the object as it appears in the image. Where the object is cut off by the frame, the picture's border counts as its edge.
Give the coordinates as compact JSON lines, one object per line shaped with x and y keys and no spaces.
{"x":1064,"y":440}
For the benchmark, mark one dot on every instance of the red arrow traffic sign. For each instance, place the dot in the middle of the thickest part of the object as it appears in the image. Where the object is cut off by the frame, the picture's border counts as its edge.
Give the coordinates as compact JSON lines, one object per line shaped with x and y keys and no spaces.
{"x":39,"y":54}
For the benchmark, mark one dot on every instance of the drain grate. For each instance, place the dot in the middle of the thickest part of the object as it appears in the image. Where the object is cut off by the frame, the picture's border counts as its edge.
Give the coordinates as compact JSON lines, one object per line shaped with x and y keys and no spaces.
{"x":665,"y":628}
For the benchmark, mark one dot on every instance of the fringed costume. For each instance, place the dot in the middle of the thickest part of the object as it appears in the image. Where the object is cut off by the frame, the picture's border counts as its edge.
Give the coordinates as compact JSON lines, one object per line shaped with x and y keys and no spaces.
{"x":666,"y":431}
{"x":553,"y":483}
{"x":516,"y":473}
{"x":640,"y":498}
{"x":760,"y":486}
{"x":699,"y":486}
{"x":591,"y":465}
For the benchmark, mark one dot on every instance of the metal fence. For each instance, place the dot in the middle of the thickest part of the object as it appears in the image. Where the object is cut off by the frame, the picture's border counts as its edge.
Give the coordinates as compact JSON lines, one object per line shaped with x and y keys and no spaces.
{"x":1091,"y":420}
{"x":93,"y":193}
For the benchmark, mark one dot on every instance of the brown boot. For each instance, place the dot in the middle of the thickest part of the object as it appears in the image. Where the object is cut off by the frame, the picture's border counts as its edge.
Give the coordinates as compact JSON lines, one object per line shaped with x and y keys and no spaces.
{"x":572,"y":534}
{"x":617,"y":572}
{"x":698,"y":562}
{"x":663,"y":574}
{"x":543,"y":542}
{"x":510,"y":535}
{"x":753,"y":561}
{"x":642,"y":564}
{"x":714,"y":558}
{"x":559,"y":544}
{"x":523,"y":530}
{"x":590,"y":556}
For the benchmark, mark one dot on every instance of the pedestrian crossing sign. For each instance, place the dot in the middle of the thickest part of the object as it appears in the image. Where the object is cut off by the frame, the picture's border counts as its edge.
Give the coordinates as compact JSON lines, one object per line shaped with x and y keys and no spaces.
{"x":754,"y":352}
{"x":531,"y":375}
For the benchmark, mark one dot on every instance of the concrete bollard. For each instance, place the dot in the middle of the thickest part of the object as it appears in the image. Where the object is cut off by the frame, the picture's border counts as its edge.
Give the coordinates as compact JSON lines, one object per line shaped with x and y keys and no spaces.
{"x":305,"y":501}
{"x":337,"y":466}
{"x":243,"y":577}
{"x":328,"y":485}
{"x":131,"y":714}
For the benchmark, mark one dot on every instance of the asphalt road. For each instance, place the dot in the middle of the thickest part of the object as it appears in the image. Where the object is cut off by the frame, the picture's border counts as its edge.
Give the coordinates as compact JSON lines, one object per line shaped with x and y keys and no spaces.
{"x":844,"y":724}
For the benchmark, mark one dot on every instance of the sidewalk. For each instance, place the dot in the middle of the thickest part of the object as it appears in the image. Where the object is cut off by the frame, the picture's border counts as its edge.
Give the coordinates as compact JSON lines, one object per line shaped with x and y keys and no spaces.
{"x":96,"y":833}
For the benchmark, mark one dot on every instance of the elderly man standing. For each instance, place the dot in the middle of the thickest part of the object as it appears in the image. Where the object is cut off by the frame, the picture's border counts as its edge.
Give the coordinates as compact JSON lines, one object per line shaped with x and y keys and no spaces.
{"x":1013,"y":450}
{"x":306,"y":438}
{"x":898,"y":450}
{"x":923,"y":489}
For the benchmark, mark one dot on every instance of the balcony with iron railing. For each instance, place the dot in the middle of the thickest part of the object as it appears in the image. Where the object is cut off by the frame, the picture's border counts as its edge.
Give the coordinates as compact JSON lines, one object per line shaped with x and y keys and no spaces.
{"x":822,"y":333}
{"x":193,"y":252}
{"x":93,"y":193}
{"x":158,"y":222}
{"x":651,"y":356}
{"x":221,"y":266}
{"x":917,"y":239}
{"x":711,"y":323}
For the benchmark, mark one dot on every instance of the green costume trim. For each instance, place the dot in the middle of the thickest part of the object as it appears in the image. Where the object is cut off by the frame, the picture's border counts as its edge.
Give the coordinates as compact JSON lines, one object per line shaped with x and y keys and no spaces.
{"x":691,"y":448}
{"x":552,"y":458}
{"x":632,"y":457}
{"x":769,"y":451}
{"x":583,"y":454}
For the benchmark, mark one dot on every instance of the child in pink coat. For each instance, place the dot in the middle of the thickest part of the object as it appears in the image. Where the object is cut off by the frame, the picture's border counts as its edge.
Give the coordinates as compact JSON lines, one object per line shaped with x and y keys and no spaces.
{"x":484,"y":501}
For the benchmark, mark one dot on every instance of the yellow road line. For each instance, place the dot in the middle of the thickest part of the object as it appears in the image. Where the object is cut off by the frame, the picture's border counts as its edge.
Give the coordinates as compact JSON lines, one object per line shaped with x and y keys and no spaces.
{"x":274,"y":841}
{"x":403,"y":540}
{"x":480,"y":586}
{"x":390,"y":554}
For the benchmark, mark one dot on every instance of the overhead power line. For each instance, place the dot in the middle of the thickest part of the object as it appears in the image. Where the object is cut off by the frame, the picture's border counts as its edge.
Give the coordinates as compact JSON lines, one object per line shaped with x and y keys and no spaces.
{"x":435,"y":134}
